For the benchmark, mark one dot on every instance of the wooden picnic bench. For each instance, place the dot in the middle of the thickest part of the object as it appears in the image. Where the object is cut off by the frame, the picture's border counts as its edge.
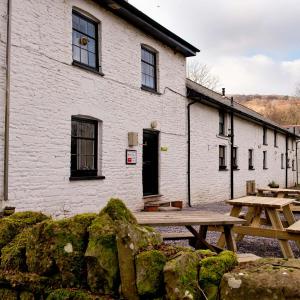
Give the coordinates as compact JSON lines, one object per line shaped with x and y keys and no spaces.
{"x":278,"y":192}
{"x":204,"y":219}
{"x":256,"y":225}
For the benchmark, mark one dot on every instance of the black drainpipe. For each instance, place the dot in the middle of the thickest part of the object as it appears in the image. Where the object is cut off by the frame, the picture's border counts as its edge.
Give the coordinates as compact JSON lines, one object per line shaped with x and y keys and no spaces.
{"x":189,"y":151}
{"x":286,"y":160}
{"x":297,"y":175}
{"x":231,"y":151}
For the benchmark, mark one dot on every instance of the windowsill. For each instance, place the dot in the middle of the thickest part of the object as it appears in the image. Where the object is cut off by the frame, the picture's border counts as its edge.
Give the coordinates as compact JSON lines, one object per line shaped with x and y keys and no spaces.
{"x":86,"y":178}
{"x":223,"y":169}
{"x":152,"y":196}
{"x":144,"y":88}
{"x":236,"y":169}
{"x":265,"y":144}
{"x":87,"y":68}
{"x":251,"y":169}
{"x":275,"y":146}
{"x":265,"y":168}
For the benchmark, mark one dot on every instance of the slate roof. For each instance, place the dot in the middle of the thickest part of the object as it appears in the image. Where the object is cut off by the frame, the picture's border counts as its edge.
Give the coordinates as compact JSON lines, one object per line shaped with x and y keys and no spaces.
{"x":207,"y":96}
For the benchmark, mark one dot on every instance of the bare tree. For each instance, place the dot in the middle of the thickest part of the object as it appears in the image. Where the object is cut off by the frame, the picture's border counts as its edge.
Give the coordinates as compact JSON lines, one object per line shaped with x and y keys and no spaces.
{"x":201,"y":74}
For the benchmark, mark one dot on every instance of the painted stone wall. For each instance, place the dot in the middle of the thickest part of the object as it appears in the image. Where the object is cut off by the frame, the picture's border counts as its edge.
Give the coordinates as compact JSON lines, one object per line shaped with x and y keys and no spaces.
{"x":208,"y":184}
{"x":47,"y":90}
{"x":3,"y":30}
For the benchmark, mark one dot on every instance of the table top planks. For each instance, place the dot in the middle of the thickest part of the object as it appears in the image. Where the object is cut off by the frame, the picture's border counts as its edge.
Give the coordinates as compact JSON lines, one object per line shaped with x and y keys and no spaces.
{"x":279,"y":190}
{"x":261,"y":201}
{"x":185,"y":218}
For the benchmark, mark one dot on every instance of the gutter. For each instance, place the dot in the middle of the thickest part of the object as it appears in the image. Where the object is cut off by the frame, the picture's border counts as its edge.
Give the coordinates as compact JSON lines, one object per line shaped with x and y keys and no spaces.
{"x":189,"y":151}
{"x":297,"y":166}
{"x":7,"y":100}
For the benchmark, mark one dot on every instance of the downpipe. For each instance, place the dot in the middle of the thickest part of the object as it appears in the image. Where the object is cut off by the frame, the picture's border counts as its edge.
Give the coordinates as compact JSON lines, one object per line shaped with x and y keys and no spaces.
{"x":7,"y":101}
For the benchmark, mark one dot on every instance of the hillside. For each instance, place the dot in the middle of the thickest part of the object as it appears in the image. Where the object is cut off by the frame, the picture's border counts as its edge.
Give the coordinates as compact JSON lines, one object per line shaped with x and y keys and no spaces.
{"x":284,"y":110}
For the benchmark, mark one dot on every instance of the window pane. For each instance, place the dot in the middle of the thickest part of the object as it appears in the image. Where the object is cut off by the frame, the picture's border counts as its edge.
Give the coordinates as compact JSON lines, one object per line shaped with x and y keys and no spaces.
{"x":76,"y":38}
{"x":91,"y":46}
{"x":91,"y":30}
{"x":84,"y":56}
{"x":92,"y":60}
{"x":75,"y":20}
{"x":143,"y":79}
{"x":90,"y":163}
{"x":89,"y":149}
{"x":76,"y":53}
{"x":83,"y":26}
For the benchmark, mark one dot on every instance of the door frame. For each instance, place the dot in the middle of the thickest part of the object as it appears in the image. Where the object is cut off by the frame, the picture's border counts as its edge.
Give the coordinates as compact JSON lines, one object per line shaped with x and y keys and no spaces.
{"x":157,"y":133}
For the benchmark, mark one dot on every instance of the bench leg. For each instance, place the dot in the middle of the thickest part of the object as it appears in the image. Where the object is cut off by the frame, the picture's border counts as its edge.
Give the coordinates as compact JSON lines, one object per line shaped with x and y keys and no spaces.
{"x":289,"y":216}
{"x":235,"y":212}
{"x":230,"y":242}
{"x":277,"y":224}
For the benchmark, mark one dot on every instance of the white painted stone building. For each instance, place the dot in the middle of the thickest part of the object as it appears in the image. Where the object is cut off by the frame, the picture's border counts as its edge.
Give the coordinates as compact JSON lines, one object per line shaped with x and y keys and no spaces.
{"x":81,"y":64}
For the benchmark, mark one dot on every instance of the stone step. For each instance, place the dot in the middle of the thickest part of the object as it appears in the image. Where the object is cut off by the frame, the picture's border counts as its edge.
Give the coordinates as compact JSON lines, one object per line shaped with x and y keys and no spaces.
{"x":168,"y":208}
{"x":246,"y":257}
{"x":158,"y":203}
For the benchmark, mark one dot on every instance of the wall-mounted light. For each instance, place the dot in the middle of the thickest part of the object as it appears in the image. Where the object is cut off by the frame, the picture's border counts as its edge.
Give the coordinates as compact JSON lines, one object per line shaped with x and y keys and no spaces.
{"x":154,"y":124}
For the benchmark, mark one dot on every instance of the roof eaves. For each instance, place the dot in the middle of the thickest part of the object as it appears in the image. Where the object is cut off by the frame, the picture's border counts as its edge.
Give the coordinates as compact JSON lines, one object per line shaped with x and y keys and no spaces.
{"x":225,"y":102}
{"x":137,"y":18}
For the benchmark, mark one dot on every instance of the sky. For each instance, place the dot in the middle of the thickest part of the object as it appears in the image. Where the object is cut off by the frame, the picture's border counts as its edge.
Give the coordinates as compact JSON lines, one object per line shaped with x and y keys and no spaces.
{"x":253,"y":46}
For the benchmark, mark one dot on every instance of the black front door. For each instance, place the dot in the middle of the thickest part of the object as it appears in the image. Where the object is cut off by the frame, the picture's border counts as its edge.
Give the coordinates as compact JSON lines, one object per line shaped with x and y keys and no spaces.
{"x":150,"y":163}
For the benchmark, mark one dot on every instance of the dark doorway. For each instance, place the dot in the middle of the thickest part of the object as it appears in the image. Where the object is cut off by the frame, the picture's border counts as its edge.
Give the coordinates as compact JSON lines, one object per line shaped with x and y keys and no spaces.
{"x":150,"y":162}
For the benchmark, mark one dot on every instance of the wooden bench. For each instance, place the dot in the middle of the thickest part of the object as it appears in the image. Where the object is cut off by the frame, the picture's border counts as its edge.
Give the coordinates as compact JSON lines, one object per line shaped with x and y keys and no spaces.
{"x":295,"y":228}
{"x":177,"y":235}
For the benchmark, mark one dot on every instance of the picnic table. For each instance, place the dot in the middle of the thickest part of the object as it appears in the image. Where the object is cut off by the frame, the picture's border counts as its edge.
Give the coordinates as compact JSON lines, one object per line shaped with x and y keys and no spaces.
{"x":270,"y":226}
{"x":278,"y":192}
{"x":204,"y":219}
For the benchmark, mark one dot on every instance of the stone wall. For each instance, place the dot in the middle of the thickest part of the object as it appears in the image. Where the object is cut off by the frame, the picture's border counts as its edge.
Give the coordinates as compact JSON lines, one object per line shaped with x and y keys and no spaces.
{"x":47,"y":90}
{"x":208,"y":183}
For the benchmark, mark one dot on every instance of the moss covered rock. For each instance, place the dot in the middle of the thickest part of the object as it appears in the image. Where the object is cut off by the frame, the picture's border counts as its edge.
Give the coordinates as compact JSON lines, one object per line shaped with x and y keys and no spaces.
{"x":181,"y":276}
{"x":8,"y":294}
{"x":26,"y":296}
{"x":212,"y":269}
{"x":14,"y":224}
{"x":149,"y":273}
{"x":102,"y":257}
{"x":263,"y":279}
{"x":65,"y":294}
{"x":13,"y":255}
{"x":56,"y":248}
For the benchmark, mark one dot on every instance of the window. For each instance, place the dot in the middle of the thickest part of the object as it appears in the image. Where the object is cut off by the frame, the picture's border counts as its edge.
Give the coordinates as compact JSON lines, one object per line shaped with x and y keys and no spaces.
{"x":221,"y":122}
{"x":265,"y":136}
{"x":222,"y":158}
{"x":275,"y":139}
{"x":250,"y":159}
{"x":265,"y":160}
{"x":85,"y":41}
{"x":282,"y":161}
{"x":234,"y":158}
{"x":149,"y":69}
{"x":288,"y":163}
{"x":84,"y":147}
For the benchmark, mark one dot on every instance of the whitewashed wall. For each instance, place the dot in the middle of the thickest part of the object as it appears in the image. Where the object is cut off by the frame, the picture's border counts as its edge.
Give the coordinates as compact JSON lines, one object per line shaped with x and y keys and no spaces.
{"x":47,"y":90}
{"x":3,"y":29}
{"x":208,"y":184}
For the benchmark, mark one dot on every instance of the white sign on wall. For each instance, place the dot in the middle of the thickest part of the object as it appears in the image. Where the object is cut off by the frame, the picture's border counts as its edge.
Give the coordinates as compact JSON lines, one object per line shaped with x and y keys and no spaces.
{"x":131,"y":157}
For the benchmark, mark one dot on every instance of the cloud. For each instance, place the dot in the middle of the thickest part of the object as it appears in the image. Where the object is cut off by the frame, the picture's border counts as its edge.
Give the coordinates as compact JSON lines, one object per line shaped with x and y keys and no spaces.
{"x":253,"y":45}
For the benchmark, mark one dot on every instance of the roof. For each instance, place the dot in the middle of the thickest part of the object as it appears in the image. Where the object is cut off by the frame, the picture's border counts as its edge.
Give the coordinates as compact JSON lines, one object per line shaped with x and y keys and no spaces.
{"x":204,"y":95}
{"x":140,"y":20}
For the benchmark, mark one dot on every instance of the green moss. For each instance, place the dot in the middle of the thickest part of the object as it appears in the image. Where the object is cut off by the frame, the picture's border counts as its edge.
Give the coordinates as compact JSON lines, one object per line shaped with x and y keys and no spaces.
{"x":13,"y":254}
{"x":56,"y":248}
{"x":8,"y":294}
{"x":212,"y":270}
{"x":117,"y":211}
{"x":149,"y":273}
{"x":14,"y":224}
{"x":64,"y":294}
{"x":102,"y":256}
{"x":26,"y":296}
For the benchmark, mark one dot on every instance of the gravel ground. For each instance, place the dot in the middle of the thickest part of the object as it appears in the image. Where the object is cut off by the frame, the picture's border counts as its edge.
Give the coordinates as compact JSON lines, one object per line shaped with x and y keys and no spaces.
{"x":257,"y":245}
